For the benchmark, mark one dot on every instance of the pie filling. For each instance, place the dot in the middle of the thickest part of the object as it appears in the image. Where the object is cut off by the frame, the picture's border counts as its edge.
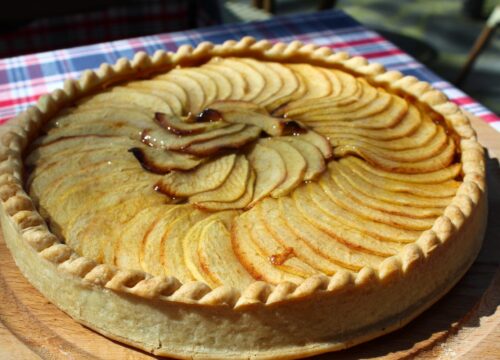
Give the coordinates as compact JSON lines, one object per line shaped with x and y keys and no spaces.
{"x":240,"y":170}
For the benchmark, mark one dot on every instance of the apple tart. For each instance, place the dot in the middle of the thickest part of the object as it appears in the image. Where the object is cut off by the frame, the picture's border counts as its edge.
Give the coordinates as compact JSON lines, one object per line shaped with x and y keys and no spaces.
{"x":243,"y":200}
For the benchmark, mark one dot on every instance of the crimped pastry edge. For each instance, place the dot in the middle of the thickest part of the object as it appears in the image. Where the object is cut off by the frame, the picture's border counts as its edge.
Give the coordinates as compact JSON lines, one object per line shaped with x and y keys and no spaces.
{"x":20,"y":212}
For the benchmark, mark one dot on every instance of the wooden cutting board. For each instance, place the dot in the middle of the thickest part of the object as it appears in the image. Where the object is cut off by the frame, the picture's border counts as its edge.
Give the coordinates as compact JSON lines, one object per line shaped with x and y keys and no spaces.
{"x":465,"y":324}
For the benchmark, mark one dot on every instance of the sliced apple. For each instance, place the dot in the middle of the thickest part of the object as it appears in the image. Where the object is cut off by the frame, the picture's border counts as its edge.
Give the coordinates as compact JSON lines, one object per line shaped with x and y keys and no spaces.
{"x":336,"y":249}
{"x":239,"y":203}
{"x":172,"y":243}
{"x":191,"y":244}
{"x":268,"y":213}
{"x":151,"y":251}
{"x":254,"y":80}
{"x":368,"y":199}
{"x":443,"y":189}
{"x":314,"y":159}
{"x":223,"y":106}
{"x":178,"y":126}
{"x":269,"y":168}
{"x":113,"y":114}
{"x":231,"y":141}
{"x":223,"y":85}
{"x":325,"y":110}
{"x":385,"y":119}
{"x":122,"y":96}
{"x":375,"y":242}
{"x":273,"y":81}
{"x":232,"y":189}
{"x":315,"y":80}
{"x":289,"y":84}
{"x":127,"y":246}
{"x":255,"y":261}
{"x":238,"y":83}
{"x":333,"y":77}
{"x":408,"y":124}
{"x":166,"y":140}
{"x":402,"y":161}
{"x":206,"y":83}
{"x":281,"y":257}
{"x":193,"y":90}
{"x":419,"y":138}
{"x":383,"y":194}
{"x":217,"y":259}
{"x":444,"y":175}
{"x":330,"y":188}
{"x":294,"y":162}
{"x":207,"y":176}
{"x":163,"y":89}
{"x":172,"y":101}
{"x":161,"y":161}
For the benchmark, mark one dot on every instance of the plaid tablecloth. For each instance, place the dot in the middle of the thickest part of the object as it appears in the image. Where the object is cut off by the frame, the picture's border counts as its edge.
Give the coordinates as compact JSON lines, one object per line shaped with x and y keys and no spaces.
{"x":25,"y":78}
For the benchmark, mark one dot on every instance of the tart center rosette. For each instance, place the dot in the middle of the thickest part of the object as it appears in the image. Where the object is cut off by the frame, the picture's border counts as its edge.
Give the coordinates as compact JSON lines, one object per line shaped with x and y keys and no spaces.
{"x":227,"y":197}
{"x":231,"y":155}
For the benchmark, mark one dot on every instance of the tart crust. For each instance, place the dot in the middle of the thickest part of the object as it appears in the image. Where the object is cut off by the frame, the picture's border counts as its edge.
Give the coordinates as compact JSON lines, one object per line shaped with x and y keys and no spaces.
{"x":163,"y":316}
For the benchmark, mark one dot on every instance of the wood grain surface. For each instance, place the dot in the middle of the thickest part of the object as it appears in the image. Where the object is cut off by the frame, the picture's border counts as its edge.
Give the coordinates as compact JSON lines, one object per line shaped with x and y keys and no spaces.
{"x":465,"y":324}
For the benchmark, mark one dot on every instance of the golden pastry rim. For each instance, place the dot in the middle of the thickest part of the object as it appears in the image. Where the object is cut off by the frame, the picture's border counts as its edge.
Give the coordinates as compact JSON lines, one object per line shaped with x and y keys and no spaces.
{"x":21,"y":210}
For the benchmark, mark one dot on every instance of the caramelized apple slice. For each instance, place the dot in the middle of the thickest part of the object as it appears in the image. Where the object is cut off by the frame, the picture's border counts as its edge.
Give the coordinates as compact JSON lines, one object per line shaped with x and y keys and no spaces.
{"x":166,"y":140}
{"x":271,"y":125}
{"x":232,"y":141}
{"x":294,"y":162}
{"x":207,"y":176}
{"x":161,"y":161}
{"x":177,"y":126}
{"x":232,"y":189}
{"x":269,"y":168}
{"x":314,"y":159}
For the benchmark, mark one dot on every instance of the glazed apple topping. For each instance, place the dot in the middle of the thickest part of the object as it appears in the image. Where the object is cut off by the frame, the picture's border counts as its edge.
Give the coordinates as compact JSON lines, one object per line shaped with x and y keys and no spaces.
{"x":278,"y":154}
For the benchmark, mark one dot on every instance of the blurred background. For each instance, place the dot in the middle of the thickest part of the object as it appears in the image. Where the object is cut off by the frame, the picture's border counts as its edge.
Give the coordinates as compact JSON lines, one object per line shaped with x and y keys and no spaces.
{"x":439,"y":33}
